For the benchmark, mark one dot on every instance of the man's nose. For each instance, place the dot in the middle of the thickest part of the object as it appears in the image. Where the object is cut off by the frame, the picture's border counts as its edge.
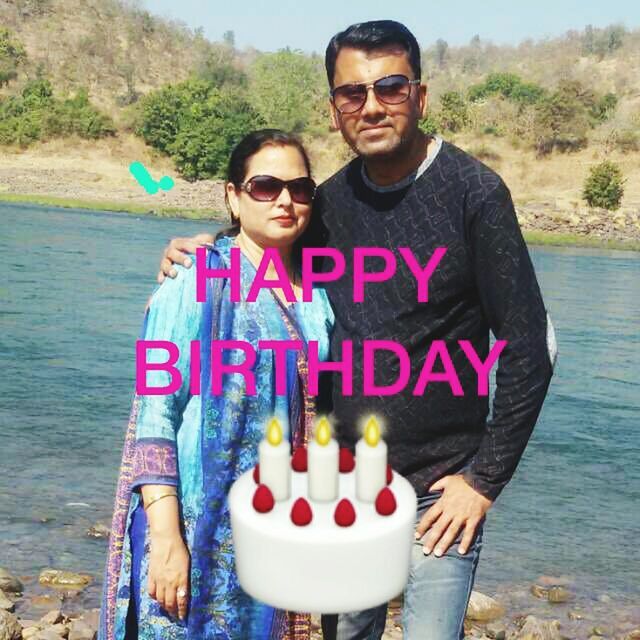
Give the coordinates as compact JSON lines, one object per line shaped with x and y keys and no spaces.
{"x":372,"y":106}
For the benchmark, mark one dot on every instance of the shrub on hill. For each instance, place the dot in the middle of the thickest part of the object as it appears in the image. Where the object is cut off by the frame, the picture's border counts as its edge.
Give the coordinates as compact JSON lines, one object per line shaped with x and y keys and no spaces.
{"x":12,"y":55}
{"x":196,"y":124}
{"x":507,"y":85}
{"x":37,"y":115}
{"x":288,"y":90}
{"x":604,"y":186}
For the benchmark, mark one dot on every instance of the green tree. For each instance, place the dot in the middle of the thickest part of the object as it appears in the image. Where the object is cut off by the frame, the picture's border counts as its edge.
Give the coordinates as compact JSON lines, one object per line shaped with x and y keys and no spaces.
{"x":604,"y":186}
{"x":589,"y":40}
{"x":197,"y":124}
{"x":287,"y":89}
{"x":509,"y":86}
{"x":442,"y":48}
{"x":453,"y":115}
{"x":229,"y":38}
{"x":12,"y":55}
{"x":562,"y":122}
{"x":219,"y":67}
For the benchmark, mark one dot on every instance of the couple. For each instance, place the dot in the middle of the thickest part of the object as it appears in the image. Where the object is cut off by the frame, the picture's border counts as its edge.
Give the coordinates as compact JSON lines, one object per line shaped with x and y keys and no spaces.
{"x":170,"y":566}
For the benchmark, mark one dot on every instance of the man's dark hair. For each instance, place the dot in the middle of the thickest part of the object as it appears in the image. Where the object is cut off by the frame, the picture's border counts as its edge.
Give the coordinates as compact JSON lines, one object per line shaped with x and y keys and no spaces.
{"x":368,"y":36}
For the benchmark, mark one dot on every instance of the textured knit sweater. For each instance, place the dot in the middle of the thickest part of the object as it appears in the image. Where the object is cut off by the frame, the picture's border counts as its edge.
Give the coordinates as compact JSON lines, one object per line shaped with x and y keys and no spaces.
{"x":485,"y":282}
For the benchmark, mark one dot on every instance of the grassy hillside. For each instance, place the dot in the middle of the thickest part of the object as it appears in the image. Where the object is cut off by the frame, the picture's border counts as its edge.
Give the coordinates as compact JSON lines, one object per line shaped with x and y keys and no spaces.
{"x":178,"y":102}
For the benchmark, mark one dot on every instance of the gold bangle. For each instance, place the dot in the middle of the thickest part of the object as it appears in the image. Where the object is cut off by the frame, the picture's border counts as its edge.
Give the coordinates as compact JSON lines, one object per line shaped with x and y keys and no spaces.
{"x":159,"y":497}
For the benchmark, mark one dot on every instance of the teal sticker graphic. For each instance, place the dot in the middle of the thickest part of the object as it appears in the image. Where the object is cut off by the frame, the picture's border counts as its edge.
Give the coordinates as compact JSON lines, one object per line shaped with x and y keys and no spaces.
{"x":144,"y":179}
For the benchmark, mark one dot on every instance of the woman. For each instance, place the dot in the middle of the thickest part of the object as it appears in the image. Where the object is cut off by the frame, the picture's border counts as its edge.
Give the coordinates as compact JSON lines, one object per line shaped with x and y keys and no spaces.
{"x":170,"y":569}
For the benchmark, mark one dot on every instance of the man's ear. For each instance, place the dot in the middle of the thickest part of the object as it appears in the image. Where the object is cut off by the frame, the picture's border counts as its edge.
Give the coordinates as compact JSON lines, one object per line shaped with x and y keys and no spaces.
{"x":335,"y":122}
{"x":232,"y":200}
{"x":424,"y":100}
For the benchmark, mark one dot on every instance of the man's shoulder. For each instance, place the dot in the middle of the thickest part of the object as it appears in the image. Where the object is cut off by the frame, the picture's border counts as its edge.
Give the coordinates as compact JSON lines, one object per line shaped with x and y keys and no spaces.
{"x":464,"y":172}
{"x":340,"y":178}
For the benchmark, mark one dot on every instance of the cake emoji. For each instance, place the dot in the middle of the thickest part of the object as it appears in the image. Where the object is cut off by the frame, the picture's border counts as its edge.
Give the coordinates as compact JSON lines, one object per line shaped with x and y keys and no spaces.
{"x":319,"y":530}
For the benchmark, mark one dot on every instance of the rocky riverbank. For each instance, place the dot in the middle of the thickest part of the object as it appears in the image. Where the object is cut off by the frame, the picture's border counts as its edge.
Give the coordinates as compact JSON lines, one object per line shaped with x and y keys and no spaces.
{"x":95,"y":175}
{"x":48,"y":607}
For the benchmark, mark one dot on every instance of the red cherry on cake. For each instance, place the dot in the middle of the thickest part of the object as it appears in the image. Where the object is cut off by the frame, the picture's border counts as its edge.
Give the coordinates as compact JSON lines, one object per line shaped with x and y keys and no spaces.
{"x":389,"y":474}
{"x":347,"y":461}
{"x":256,"y":474}
{"x":299,"y":459}
{"x":301,"y":514}
{"x":385,"y":502}
{"x":345,"y":514}
{"x":263,"y":499}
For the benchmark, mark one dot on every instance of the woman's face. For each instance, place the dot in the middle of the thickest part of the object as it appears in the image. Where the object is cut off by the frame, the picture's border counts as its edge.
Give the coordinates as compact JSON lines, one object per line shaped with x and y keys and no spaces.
{"x":280,"y":222}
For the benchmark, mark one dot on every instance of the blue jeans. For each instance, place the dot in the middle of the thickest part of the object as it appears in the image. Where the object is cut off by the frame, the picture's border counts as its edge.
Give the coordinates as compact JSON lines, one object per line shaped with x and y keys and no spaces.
{"x":435,"y":598}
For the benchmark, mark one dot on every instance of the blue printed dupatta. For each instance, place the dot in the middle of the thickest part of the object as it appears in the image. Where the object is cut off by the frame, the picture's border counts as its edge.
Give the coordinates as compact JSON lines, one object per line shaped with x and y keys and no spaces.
{"x":228,"y":430}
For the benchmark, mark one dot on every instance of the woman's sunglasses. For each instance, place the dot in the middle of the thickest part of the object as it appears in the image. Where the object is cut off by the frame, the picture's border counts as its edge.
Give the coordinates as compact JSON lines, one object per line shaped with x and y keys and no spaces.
{"x":395,"y":89}
{"x":268,"y":188}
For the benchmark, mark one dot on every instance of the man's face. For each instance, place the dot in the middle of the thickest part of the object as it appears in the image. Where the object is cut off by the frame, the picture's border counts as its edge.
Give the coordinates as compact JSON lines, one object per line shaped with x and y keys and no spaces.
{"x":378,"y":129}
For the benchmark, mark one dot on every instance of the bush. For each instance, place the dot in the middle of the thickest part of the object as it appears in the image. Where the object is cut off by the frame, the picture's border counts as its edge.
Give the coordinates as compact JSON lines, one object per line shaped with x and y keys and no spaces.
{"x":12,"y":55}
{"x":561,"y":122}
{"x":507,"y":85}
{"x":38,"y":115}
{"x":429,"y":124}
{"x":604,"y":186}
{"x":453,"y":115}
{"x":288,"y":89}
{"x":196,"y":124}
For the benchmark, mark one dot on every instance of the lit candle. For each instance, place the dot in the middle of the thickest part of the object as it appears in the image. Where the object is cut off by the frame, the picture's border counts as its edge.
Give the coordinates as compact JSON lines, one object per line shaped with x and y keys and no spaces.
{"x":371,"y":463}
{"x":273,"y":455}
{"x":323,"y":462}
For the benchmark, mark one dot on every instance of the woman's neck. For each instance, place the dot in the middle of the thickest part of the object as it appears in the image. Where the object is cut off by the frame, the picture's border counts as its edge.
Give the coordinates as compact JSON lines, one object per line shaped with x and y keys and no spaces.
{"x":254,"y":251}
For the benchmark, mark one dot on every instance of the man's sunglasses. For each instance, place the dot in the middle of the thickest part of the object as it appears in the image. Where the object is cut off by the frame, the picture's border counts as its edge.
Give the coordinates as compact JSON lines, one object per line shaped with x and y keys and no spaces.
{"x":268,"y":188}
{"x":395,"y":89}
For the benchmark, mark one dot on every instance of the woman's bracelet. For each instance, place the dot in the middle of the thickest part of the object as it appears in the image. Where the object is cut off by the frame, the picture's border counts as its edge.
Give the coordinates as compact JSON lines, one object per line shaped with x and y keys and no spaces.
{"x":159,"y":497}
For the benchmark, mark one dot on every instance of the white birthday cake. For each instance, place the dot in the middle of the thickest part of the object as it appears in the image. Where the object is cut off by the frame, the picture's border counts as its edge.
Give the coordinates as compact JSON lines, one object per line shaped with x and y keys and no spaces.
{"x":327,"y":555}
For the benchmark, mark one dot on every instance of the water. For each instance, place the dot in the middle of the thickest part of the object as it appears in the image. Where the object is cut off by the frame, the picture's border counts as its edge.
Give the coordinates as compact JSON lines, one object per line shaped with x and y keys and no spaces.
{"x":74,"y":288}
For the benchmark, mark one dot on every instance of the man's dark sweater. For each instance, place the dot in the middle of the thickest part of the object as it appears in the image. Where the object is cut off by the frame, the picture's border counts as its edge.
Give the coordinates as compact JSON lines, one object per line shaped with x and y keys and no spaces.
{"x":484,"y":282}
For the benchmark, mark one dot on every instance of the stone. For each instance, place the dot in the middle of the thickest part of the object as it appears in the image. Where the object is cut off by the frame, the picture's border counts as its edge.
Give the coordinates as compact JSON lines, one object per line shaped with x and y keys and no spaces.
{"x":9,"y":583}
{"x":496,"y":631}
{"x":10,"y":628}
{"x":5,"y":603}
{"x":558,"y":595}
{"x":92,"y":618}
{"x":483,"y":608}
{"x":539,"y":591}
{"x":574,"y":615}
{"x":47,"y":634}
{"x":61,"y":629}
{"x":80,"y":630}
{"x":536,"y":629}
{"x":98,"y":530}
{"x":53,"y":617}
{"x":64,"y":579}
{"x":633,"y":635}
{"x":29,"y":632}
{"x":45,"y":600}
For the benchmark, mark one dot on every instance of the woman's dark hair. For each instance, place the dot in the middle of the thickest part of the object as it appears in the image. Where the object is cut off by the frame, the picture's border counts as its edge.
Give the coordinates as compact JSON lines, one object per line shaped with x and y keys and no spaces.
{"x":242,"y":153}
{"x":377,"y":34}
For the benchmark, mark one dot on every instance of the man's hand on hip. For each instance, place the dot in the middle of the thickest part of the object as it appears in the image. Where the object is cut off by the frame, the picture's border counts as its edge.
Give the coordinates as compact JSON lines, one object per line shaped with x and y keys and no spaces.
{"x":459,"y":507}
{"x":176,"y":253}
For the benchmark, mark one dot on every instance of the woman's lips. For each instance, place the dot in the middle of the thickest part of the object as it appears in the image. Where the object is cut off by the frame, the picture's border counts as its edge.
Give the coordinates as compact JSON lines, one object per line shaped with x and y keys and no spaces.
{"x":285,"y":220}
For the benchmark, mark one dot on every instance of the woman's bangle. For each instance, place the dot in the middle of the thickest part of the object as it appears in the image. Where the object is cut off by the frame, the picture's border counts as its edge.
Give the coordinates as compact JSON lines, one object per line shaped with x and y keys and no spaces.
{"x":159,"y":497}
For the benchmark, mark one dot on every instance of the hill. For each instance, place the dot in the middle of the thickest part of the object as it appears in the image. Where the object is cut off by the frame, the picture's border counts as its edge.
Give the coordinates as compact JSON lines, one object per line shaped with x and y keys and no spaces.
{"x":541,"y":113}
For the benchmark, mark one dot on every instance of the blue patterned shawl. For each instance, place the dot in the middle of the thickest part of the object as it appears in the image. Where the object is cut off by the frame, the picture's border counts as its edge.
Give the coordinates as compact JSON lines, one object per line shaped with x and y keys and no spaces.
{"x":202,"y":444}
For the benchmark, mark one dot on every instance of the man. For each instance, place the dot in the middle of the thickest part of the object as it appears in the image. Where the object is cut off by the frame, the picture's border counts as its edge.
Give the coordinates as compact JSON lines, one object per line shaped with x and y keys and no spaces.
{"x":406,"y":189}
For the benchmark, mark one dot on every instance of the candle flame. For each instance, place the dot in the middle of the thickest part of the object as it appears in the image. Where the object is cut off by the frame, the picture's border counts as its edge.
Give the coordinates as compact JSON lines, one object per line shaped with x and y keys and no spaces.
{"x":372,"y":432}
{"x":323,"y":432}
{"x":274,"y":432}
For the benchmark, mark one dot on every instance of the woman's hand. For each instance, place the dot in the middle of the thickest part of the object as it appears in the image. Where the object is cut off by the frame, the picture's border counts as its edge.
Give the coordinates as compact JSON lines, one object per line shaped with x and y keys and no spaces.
{"x":169,"y":568}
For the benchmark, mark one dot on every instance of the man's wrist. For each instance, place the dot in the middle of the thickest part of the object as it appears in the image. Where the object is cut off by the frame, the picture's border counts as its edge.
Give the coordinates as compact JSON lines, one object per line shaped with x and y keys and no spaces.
{"x":480,"y":485}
